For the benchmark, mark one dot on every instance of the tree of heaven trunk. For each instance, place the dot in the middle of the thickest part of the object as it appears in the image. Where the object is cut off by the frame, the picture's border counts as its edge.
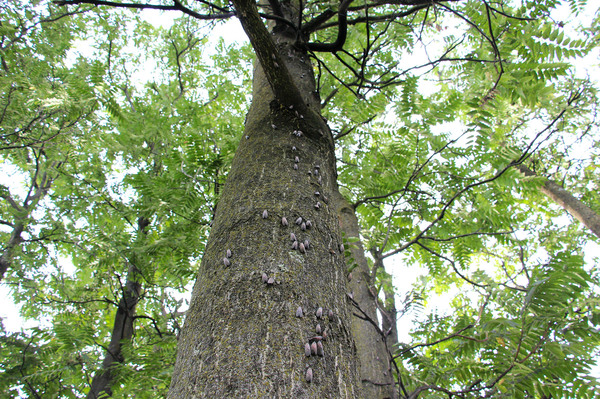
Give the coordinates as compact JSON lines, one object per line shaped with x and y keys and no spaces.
{"x":269,"y":315}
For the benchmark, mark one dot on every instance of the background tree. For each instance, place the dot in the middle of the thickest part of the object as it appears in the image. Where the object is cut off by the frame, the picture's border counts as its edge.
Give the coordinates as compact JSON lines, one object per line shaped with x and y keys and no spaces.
{"x":430,"y":174}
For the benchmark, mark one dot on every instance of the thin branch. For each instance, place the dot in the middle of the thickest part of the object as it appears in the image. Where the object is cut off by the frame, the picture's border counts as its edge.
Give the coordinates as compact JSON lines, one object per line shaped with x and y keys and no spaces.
{"x":177,"y":6}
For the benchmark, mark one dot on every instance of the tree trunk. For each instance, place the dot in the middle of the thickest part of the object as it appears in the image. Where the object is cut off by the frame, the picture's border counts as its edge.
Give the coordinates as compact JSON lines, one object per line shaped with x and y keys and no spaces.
{"x":122,"y":330}
{"x":562,"y":197}
{"x":8,"y":253}
{"x":243,"y":337}
{"x":373,"y":354}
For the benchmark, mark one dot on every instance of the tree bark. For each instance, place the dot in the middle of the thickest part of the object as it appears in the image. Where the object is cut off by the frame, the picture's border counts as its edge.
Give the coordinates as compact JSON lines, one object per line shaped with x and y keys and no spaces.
{"x":8,"y":253}
{"x":122,"y":329}
{"x":242,"y":336}
{"x":373,"y":354}
{"x":562,"y":197}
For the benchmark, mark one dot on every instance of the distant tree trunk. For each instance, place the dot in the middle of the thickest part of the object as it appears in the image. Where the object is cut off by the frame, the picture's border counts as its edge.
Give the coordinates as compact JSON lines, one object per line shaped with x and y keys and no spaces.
{"x":7,"y":255}
{"x":373,"y":355}
{"x":242,"y":336}
{"x":122,"y":329}
{"x":562,"y":197}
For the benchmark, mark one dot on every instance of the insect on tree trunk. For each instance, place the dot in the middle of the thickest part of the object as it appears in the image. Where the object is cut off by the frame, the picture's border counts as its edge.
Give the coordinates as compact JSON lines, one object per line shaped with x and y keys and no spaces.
{"x":273,"y":273}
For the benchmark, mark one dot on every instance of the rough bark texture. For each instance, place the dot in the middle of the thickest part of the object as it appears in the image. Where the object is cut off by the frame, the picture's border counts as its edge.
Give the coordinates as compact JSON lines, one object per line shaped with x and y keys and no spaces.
{"x":375,"y":368}
{"x":242,"y":338}
{"x":562,"y":197}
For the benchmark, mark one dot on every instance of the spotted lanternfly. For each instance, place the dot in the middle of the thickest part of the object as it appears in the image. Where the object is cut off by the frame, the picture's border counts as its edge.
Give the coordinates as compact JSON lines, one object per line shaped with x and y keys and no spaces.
{"x":350,"y":295}
{"x":299,"y":311}
{"x":342,"y":248}
{"x":271,"y":281}
{"x":319,"y":180}
{"x":303,"y":226}
{"x":320,"y":350}
{"x":306,"y":244}
{"x":247,"y":137}
{"x":301,"y":247}
{"x":308,"y":224}
{"x":273,"y":126}
{"x":265,"y":278}
{"x":265,"y":214}
{"x":313,"y":348}
{"x":294,"y":148}
{"x":319,"y":313}
{"x":295,"y":245}
{"x":226,"y":262}
{"x":317,"y":166}
{"x":318,"y":329}
{"x":296,"y":159}
{"x":324,"y":335}
{"x":318,"y":205}
{"x":299,"y":221}
{"x":284,"y":221}
{"x":292,"y":236}
{"x":317,"y":193}
{"x":291,"y":107}
{"x":228,"y":253}
{"x":307,"y":349}
{"x":309,"y":375}
{"x":273,"y":56}
{"x":295,"y":166}
{"x":316,"y":338}
{"x":330,"y":314}
{"x":316,"y":172}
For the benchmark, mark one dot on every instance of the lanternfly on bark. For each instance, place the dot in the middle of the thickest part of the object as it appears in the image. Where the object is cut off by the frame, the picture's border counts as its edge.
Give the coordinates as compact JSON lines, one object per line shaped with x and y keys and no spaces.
{"x":303,"y":226}
{"x":293,"y":237}
{"x":330,"y":313}
{"x":309,"y":375}
{"x":271,"y":281}
{"x":299,"y":221}
{"x":284,"y":221}
{"x":265,"y":278}
{"x":342,"y":248}
{"x":295,"y":166}
{"x":295,"y":245}
{"x":306,"y":244}
{"x":319,"y":313}
{"x":296,"y":159}
{"x":229,"y":253}
{"x":308,"y":224}
{"x":320,"y":350}
{"x":317,"y":205}
{"x":265,"y":214}
{"x":299,"y":312}
{"x":307,"y":349}
{"x":226,"y":262}
{"x":318,"y":329}
{"x":301,"y":247}
{"x":313,"y":348}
